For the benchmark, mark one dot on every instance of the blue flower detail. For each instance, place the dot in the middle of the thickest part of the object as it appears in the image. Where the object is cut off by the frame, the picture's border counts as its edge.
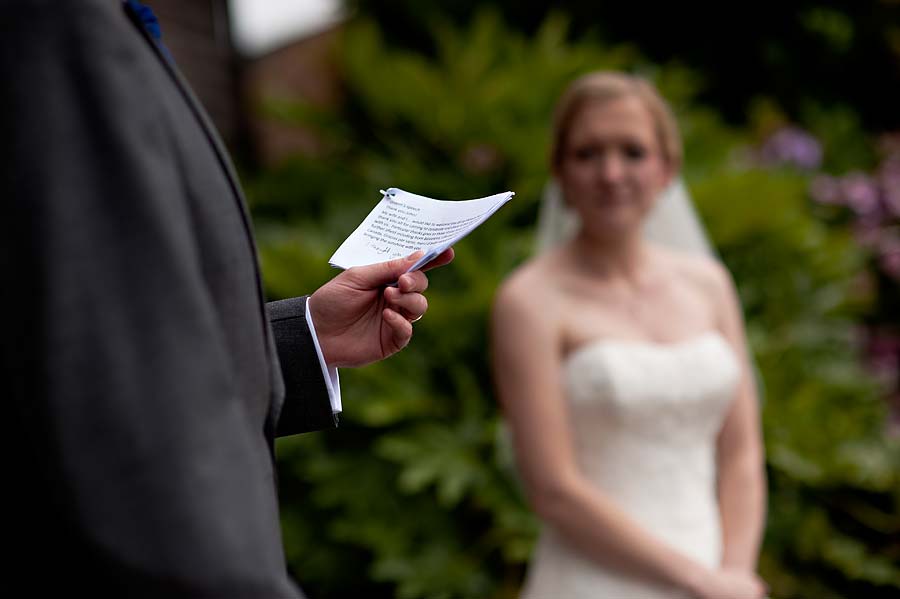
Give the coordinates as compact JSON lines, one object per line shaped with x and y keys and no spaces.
{"x":151,"y":23}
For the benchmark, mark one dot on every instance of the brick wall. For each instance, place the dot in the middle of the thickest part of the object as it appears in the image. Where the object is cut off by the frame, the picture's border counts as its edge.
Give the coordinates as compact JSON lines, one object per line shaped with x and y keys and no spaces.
{"x":306,"y":71}
{"x":198,"y":35}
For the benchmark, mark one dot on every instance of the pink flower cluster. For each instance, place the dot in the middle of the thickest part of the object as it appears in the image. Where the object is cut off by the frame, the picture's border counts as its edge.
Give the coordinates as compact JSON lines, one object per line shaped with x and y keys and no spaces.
{"x":792,"y":146}
{"x":874,"y":201}
{"x":871,"y":200}
{"x":883,"y":352}
{"x":882,"y":349}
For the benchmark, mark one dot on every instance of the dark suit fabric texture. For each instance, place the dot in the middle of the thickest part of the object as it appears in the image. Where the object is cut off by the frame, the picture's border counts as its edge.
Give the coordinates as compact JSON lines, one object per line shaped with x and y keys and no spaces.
{"x":142,"y":384}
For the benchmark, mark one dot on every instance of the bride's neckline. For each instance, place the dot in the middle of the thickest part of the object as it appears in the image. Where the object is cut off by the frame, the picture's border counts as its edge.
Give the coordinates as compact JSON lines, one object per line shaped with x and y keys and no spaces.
{"x":648,"y":343}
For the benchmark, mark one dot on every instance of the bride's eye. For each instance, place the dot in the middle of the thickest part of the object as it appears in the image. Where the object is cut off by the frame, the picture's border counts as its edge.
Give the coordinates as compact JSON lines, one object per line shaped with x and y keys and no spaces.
{"x":634,"y":152}
{"x":585,"y":153}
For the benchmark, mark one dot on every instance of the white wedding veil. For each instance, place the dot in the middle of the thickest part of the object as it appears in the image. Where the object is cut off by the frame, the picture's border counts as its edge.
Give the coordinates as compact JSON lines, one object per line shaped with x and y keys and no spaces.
{"x":673,"y":221}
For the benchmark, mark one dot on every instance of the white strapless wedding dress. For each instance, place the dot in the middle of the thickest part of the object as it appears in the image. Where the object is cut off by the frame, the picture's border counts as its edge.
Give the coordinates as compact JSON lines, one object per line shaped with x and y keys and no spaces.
{"x":645,"y":417}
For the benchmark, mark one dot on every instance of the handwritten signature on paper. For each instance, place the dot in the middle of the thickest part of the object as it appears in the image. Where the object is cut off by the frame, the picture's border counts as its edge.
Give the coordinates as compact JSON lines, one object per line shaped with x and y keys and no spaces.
{"x":384,"y":250}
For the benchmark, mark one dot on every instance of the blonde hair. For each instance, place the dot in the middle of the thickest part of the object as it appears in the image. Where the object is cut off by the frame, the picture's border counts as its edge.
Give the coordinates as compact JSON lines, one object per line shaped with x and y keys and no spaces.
{"x":603,"y":86}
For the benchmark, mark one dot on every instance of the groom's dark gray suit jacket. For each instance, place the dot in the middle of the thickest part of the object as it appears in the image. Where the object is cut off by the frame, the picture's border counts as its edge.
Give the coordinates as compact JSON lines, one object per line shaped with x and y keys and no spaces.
{"x":141,"y":385}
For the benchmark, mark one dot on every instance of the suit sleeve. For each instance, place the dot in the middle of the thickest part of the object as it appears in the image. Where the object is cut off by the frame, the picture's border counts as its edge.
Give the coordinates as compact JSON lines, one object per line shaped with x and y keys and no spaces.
{"x":121,"y":391}
{"x":306,"y":399}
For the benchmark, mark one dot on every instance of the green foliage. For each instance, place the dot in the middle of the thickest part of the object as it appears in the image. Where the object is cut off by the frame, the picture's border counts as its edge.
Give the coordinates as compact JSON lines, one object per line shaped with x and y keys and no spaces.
{"x":416,"y":495}
{"x":834,"y":500}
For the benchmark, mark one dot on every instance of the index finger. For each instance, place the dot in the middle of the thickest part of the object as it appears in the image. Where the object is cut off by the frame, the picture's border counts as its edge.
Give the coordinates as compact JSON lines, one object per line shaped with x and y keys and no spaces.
{"x":415,"y":278}
{"x":442,"y":259}
{"x":414,"y":281}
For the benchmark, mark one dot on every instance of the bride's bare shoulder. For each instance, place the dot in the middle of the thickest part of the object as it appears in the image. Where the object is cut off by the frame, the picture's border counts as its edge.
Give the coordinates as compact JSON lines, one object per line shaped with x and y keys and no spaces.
{"x":702,"y":270}
{"x":532,"y":283}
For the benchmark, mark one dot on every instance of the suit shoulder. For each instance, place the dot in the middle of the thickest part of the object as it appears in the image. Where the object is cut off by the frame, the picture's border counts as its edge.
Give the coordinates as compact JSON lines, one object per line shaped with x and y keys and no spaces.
{"x":64,"y":15}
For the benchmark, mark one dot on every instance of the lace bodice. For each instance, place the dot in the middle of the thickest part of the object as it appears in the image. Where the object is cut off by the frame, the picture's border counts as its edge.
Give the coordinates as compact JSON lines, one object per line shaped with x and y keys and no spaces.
{"x":645,"y":418}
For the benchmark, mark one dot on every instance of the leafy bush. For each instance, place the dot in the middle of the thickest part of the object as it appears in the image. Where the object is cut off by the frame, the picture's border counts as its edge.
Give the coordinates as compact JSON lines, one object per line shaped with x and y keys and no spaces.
{"x":416,"y":495}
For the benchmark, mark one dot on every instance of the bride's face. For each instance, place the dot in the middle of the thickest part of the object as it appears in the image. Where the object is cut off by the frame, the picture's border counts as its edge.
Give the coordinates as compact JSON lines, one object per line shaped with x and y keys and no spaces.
{"x":612,"y":167}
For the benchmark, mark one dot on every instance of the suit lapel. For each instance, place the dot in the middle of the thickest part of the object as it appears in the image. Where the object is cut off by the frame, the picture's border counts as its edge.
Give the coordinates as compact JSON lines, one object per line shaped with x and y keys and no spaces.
{"x":196,"y":107}
{"x":228,"y":168}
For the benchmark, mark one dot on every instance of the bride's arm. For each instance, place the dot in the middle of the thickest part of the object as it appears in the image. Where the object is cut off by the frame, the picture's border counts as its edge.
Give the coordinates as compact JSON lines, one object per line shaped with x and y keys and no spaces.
{"x":740,"y":463}
{"x":527,"y":371}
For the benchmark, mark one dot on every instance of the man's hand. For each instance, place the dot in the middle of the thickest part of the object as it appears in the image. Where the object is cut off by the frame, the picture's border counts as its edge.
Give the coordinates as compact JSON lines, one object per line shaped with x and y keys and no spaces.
{"x":358,"y":320}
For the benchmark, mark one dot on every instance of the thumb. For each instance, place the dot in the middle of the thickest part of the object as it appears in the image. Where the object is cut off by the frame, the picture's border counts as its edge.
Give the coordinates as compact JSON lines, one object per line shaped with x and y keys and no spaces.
{"x":383,"y":273}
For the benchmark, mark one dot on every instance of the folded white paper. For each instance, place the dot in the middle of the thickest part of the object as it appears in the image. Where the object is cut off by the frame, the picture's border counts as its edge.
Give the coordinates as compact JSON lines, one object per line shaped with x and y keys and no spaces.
{"x":404,"y":222}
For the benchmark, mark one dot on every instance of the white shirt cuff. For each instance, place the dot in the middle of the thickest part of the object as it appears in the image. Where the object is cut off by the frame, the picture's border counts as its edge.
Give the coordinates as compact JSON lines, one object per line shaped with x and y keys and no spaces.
{"x":330,"y":374}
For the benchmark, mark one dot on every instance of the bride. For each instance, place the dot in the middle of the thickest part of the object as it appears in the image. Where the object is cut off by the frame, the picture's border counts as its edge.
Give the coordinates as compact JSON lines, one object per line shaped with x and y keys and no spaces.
{"x":621,"y":367}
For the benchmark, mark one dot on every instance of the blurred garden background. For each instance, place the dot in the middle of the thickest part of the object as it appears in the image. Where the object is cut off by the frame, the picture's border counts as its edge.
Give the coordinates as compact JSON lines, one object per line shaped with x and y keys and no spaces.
{"x":791,"y":117}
